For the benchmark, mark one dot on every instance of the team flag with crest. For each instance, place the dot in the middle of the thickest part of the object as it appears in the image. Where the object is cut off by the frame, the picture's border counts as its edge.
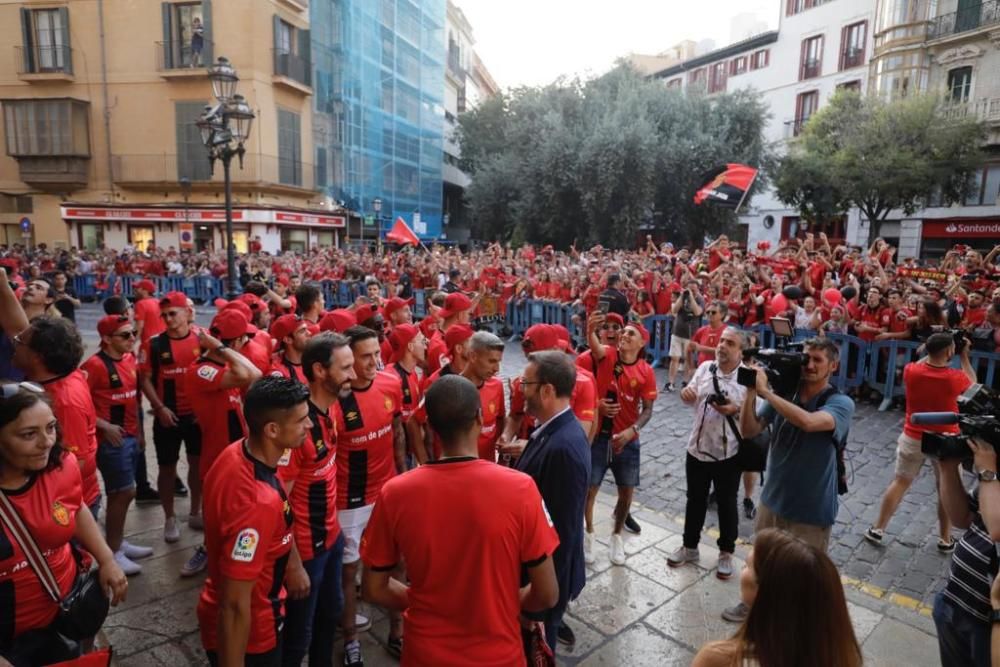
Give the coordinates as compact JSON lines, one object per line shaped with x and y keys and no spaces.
{"x":402,"y":234}
{"x":726,"y":186}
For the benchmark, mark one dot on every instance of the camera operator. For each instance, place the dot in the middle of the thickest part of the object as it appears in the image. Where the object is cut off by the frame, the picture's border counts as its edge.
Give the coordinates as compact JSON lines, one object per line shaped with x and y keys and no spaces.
{"x":963,"y":614}
{"x":686,"y":309}
{"x":931,"y":386}
{"x":800,"y":488}
{"x":711,"y":452}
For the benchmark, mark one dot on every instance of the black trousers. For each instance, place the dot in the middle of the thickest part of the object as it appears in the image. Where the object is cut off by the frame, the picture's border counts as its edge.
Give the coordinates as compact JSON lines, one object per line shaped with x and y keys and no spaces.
{"x":725,"y":477}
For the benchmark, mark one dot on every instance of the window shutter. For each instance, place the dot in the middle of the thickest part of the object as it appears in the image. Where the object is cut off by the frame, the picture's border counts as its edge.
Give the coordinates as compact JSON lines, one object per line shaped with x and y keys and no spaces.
{"x":305,"y":52}
{"x":207,"y":55}
{"x":168,"y":39}
{"x":68,"y":54}
{"x":276,"y":27}
{"x":28,"y":40}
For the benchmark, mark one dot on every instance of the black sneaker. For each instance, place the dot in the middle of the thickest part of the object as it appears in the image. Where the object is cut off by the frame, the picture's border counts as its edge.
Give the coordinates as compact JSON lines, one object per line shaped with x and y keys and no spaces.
{"x":147,"y":496}
{"x":749,"y":509}
{"x":352,"y":654}
{"x":668,"y":387}
{"x":394,"y":646}
{"x":180,"y":490}
{"x":631,"y":525}
{"x":565,"y":635}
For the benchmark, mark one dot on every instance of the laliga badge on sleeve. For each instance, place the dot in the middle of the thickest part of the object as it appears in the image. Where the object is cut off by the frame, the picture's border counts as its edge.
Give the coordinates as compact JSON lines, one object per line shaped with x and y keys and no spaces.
{"x":207,"y":372}
{"x":246,"y":545}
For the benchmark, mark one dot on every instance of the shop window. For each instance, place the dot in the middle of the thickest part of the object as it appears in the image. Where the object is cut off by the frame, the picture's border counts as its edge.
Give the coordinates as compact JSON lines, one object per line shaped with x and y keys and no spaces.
{"x":325,"y":239}
{"x":141,"y":238}
{"x":294,"y":240}
{"x":91,"y":236}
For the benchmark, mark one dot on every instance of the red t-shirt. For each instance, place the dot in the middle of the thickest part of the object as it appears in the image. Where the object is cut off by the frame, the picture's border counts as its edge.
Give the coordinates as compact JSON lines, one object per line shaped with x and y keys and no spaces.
{"x":897,"y":320}
{"x":74,"y":410}
{"x":313,"y":468}
{"x":409,"y":384}
{"x":113,"y":388}
{"x":494,"y":413}
{"x":147,"y":311}
{"x":583,"y":401}
{"x":632,"y":383}
{"x":47,"y":505}
{"x":259,"y":355}
{"x":932,"y":389}
{"x":973,"y":317}
{"x":509,"y":526}
{"x":248,"y":536}
{"x":282,"y":367}
{"x":420,"y":414}
{"x":706,"y":335}
{"x":219,"y":411}
{"x":874,"y":317}
{"x":165,"y":361}
{"x":437,"y":352}
{"x":365,"y":440}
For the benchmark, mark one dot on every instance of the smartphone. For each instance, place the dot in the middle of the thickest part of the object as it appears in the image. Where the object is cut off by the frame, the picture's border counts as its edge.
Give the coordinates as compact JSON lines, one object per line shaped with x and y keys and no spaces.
{"x":602,"y":306}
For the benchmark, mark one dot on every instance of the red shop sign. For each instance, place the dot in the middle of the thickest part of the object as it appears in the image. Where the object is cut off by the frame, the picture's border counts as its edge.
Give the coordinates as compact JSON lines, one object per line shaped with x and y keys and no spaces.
{"x":957,"y":229}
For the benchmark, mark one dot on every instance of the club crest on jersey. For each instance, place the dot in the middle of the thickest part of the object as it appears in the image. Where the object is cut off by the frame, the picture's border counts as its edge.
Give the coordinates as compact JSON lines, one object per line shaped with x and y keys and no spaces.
{"x":60,"y":514}
{"x":246,"y":545}
{"x":634,"y":382}
{"x":493,"y":407}
{"x":207,"y":372}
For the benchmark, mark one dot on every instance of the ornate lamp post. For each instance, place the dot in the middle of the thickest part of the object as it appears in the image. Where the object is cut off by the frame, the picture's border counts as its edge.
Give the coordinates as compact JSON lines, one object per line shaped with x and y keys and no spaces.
{"x":224,"y":128}
{"x":377,"y":207}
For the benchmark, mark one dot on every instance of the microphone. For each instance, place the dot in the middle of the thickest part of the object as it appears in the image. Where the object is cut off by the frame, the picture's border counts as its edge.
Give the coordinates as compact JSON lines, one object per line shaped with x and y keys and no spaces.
{"x":934,"y":418}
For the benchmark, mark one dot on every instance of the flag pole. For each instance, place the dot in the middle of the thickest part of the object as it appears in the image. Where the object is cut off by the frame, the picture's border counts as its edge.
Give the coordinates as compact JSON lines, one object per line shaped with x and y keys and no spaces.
{"x":736,"y":211}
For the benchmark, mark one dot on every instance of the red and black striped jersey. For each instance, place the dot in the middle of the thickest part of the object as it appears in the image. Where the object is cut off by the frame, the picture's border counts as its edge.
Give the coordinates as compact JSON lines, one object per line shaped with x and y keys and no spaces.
{"x":113,"y":387}
{"x":165,"y":361}
{"x":282,"y":367}
{"x":218,"y":411}
{"x":409,"y":384}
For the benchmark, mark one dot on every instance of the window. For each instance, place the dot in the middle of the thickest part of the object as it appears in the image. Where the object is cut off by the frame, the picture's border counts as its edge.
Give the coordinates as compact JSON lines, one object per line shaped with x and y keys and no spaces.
{"x":760,"y":59}
{"x":292,"y":52}
{"x":717,"y":78}
{"x":296,"y":240}
{"x":795,"y":6}
{"x":984,"y":187}
{"x":812,"y":58}
{"x":959,"y":84}
{"x":852,"y":45}
{"x":854,"y":86}
{"x":186,"y":34}
{"x":91,"y":235}
{"x":805,"y":106}
{"x":675,"y":83}
{"x":192,"y":156}
{"x":141,"y":238}
{"x":16,"y":204}
{"x":289,"y":147}
{"x":47,"y":127}
{"x":45,"y":46}
{"x":738,"y":66}
{"x":697,"y":77}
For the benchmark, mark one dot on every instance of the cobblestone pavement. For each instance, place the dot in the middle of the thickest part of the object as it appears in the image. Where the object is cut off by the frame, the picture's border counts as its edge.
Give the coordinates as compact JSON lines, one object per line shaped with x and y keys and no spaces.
{"x":643,"y":613}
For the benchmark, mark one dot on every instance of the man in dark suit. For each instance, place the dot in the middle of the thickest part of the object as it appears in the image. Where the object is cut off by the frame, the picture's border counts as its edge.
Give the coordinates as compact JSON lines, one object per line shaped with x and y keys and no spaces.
{"x":557,"y":457}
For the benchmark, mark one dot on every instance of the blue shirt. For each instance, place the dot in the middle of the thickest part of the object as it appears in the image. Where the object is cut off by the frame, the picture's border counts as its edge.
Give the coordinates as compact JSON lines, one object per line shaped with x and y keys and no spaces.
{"x":801,"y":480}
{"x":7,"y":369}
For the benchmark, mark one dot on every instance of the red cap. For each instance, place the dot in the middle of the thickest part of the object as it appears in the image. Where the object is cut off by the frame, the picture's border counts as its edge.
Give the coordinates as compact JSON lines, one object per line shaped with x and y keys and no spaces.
{"x":395,"y":303}
{"x":252,"y":300}
{"x":399,"y":338}
{"x":145,"y":284}
{"x":642,"y":331}
{"x":229,"y":324}
{"x":540,"y":337}
{"x":240,"y":307}
{"x":339,"y":320}
{"x":454,"y":303}
{"x":286,"y":325}
{"x":174,"y":300}
{"x":365,"y":312}
{"x":616,"y":319}
{"x":111,"y":323}
{"x":428,"y":325}
{"x":456,"y":335}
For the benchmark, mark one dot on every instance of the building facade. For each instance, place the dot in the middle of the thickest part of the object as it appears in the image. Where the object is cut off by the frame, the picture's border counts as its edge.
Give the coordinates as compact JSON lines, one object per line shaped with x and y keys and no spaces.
{"x":99,"y":102}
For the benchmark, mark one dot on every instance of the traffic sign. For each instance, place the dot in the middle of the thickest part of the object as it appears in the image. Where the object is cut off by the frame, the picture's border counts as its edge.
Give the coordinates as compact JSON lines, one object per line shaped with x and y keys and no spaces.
{"x":369,"y":220}
{"x":25,"y":225}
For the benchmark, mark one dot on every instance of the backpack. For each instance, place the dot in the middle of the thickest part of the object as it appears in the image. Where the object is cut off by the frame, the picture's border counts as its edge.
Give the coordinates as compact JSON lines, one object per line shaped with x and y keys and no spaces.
{"x":840,"y":445}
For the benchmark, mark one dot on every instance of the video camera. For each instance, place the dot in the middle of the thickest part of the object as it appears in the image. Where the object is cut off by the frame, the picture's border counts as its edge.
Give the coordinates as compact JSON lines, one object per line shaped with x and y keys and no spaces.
{"x":978,"y":416}
{"x":783,"y":364}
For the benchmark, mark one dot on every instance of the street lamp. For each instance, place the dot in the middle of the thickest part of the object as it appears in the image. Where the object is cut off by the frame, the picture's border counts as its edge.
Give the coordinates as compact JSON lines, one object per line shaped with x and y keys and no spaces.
{"x":377,"y":207}
{"x":224,"y":129}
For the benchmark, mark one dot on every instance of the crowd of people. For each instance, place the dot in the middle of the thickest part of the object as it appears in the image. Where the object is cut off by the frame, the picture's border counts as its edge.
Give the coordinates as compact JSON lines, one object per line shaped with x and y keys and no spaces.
{"x":327,"y":445}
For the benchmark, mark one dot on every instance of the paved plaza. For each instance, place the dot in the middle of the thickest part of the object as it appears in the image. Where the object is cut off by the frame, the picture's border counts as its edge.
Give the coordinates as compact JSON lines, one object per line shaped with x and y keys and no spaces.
{"x":643,"y":613}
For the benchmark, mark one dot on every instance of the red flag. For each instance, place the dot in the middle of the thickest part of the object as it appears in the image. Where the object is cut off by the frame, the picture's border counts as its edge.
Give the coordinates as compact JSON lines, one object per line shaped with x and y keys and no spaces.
{"x":726,"y":186}
{"x":402,"y":234}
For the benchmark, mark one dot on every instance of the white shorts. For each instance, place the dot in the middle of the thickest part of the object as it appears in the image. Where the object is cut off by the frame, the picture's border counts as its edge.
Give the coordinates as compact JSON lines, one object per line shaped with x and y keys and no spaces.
{"x":679,"y":347}
{"x":352,"y":524}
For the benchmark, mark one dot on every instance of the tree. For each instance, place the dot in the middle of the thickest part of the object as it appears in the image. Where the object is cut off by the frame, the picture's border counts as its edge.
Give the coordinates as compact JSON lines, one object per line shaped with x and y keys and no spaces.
{"x":879,"y":157}
{"x":597,"y":160}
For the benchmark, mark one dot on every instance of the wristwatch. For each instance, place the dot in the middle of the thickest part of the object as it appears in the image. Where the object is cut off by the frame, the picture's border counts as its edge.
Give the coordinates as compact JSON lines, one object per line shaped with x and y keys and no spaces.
{"x":995,"y":616}
{"x":987,"y":475}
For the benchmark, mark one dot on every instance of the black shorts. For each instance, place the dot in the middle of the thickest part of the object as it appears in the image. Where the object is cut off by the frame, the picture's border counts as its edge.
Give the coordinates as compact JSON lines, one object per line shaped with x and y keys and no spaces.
{"x":167,"y":440}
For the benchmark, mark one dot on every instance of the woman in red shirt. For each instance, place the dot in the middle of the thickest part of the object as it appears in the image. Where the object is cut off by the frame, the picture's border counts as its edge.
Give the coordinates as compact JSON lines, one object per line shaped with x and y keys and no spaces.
{"x":43,"y":484}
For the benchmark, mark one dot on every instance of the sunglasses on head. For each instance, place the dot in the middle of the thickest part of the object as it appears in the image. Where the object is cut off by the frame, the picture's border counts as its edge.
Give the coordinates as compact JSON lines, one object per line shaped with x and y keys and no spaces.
{"x":11,"y":389}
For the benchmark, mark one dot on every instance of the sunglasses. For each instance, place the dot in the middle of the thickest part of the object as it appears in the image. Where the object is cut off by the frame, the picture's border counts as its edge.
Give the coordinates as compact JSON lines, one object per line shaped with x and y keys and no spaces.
{"x":12,"y":389}
{"x":711,"y":312}
{"x":124,"y":334}
{"x":613,"y":327}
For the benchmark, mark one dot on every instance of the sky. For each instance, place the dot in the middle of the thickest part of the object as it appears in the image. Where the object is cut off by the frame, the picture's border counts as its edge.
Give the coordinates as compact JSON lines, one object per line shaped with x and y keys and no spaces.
{"x":533,"y":42}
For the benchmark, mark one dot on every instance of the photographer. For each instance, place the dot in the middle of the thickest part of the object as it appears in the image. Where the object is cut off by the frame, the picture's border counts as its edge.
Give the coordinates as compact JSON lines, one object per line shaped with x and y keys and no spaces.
{"x":686,"y":309}
{"x":711,"y":452}
{"x":962,"y":611}
{"x":931,"y":385}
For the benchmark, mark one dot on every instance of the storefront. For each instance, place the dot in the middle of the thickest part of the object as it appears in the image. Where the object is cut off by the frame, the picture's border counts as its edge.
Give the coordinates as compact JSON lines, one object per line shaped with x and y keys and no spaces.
{"x":201,"y":229}
{"x":939,"y":236}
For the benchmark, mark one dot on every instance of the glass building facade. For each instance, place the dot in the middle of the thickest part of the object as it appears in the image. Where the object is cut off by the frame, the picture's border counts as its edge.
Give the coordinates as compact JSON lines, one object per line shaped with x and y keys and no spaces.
{"x":378,"y":121}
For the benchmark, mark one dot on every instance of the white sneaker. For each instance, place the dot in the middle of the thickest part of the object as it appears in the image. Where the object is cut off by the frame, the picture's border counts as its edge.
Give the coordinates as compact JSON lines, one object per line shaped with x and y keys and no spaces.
{"x":134,"y":551}
{"x":127,"y":566}
{"x":171,"y":533}
{"x":588,"y":548}
{"x":362,"y":623}
{"x":617,"y":549}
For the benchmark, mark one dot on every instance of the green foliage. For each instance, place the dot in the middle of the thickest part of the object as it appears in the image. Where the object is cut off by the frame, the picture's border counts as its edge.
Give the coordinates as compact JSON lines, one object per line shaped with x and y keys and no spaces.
{"x":594,"y":160}
{"x":877,"y":156}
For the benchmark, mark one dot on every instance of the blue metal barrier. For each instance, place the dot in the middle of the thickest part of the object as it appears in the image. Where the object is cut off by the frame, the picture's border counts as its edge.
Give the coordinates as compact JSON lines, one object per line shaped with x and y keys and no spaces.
{"x":896,"y":354}
{"x":659,"y":327}
{"x":85,"y":286}
{"x":853,"y":357}
{"x":985,"y":365}
{"x":419,"y":304}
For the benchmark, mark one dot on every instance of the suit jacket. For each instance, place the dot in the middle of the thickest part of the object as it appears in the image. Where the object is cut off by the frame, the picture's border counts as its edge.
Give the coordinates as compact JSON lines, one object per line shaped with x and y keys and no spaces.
{"x":558,"y":459}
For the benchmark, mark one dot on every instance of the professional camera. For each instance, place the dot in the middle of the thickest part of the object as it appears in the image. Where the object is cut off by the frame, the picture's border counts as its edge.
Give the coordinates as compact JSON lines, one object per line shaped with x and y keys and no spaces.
{"x":782,"y":364}
{"x":960,"y":337}
{"x":977,"y":417}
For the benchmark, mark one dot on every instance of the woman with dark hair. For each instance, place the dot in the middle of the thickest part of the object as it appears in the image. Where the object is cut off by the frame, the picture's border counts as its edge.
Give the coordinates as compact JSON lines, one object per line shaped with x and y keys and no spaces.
{"x":929,"y":319}
{"x":798,"y":613}
{"x":44,"y":486}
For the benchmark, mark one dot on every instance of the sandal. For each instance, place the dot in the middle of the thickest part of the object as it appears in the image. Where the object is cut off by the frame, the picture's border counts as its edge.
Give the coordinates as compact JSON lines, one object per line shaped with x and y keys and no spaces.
{"x":946,"y":547}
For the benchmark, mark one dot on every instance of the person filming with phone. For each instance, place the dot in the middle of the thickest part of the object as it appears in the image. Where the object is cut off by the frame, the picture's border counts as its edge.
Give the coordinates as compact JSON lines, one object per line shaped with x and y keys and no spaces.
{"x":800,"y":488}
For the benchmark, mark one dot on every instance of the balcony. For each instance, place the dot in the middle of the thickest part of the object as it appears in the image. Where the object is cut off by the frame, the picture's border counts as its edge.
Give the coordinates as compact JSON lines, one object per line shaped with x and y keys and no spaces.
{"x":793,"y":128}
{"x":260,"y":172}
{"x":965,"y":20}
{"x":177,"y":60}
{"x":852,"y":57}
{"x":810,"y":69}
{"x":292,"y":71}
{"x":297,"y":5}
{"x":44,"y":63}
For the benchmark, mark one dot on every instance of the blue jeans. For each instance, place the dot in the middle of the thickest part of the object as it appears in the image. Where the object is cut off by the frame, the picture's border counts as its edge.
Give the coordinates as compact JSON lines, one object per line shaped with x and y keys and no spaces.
{"x":117,"y":464}
{"x":624,"y":465}
{"x":320,"y":610}
{"x":962,"y":638}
